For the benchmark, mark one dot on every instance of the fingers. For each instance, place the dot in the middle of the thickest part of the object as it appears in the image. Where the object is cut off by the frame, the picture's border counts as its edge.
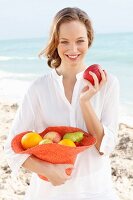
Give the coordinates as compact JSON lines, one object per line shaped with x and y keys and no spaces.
{"x":98,"y":85}
{"x":59,"y":175}
{"x":58,"y":179}
{"x":68,"y":165}
{"x":96,"y":81}
{"x":57,"y":182}
{"x":104,"y":77}
{"x":68,"y":171}
{"x":87,"y":85}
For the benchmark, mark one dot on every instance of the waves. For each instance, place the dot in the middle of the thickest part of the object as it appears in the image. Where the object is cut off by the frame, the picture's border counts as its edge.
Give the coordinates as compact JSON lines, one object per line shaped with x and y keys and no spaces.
{"x":18,"y":76}
{"x":8,"y":58}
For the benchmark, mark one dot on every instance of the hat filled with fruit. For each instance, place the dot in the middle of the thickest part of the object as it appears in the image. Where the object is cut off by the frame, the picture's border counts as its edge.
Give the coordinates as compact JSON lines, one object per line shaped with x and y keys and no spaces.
{"x":56,"y":144}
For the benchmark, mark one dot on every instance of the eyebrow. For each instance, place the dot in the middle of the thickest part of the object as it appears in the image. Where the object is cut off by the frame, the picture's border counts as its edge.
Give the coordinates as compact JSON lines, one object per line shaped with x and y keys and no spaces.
{"x":77,"y":38}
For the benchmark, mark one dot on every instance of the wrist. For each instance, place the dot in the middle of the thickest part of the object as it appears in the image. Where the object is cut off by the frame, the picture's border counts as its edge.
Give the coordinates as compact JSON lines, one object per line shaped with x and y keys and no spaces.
{"x":84,"y":101}
{"x":38,"y":166}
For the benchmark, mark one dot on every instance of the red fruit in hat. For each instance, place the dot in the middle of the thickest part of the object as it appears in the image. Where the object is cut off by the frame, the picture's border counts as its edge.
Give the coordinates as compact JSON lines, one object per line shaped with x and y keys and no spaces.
{"x":53,"y":135}
{"x":95,"y":69}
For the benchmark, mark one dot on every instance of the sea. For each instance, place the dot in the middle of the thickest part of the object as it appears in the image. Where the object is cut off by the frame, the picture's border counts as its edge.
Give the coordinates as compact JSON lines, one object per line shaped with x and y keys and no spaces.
{"x":20,"y":66}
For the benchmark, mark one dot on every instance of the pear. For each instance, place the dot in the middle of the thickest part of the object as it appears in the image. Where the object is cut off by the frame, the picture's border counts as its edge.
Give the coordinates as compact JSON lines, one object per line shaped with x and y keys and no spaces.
{"x":75,"y":136}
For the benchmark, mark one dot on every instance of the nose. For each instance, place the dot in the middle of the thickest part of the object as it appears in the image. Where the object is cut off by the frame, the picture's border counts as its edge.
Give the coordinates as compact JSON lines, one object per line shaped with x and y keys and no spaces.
{"x":73,"y":47}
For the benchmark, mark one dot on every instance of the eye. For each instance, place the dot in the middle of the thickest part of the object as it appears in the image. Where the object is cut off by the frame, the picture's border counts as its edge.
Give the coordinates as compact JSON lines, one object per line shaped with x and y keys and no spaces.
{"x":64,"y":42}
{"x":80,"y":41}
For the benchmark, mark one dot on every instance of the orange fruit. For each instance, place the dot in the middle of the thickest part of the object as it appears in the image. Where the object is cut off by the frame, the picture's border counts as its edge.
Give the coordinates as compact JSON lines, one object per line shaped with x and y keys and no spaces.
{"x":30,"y":139}
{"x":67,"y":142}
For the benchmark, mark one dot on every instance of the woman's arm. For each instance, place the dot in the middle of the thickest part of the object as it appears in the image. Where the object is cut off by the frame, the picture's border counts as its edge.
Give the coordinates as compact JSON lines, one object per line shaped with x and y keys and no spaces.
{"x":55,"y":173}
{"x":26,"y":119}
{"x":103,"y":129}
{"x":93,"y":125}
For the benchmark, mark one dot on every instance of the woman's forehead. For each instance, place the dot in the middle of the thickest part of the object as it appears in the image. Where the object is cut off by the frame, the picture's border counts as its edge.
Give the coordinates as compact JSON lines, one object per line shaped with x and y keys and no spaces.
{"x":73,"y":28}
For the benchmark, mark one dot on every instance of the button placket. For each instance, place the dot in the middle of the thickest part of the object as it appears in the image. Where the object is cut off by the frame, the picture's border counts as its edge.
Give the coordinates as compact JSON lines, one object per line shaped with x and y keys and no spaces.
{"x":74,"y":103}
{"x":62,"y":92}
{"x":75,"y":94}
{"x":72,"y":117}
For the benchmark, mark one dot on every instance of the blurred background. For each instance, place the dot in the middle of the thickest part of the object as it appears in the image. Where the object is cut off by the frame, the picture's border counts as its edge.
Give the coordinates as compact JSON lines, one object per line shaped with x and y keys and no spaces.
{"x":24,"y":31}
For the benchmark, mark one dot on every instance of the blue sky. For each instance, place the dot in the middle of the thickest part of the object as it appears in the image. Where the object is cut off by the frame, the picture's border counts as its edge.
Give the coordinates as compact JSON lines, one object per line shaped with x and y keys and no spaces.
{"x":32,"y":18}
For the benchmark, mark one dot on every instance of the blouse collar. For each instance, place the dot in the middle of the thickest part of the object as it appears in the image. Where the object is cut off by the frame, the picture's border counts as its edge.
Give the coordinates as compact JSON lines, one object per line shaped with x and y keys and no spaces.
{"x":79,"y":75}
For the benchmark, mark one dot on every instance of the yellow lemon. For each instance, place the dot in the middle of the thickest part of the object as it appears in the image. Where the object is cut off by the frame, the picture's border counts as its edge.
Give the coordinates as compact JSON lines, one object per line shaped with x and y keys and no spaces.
{"x":67,"y":142}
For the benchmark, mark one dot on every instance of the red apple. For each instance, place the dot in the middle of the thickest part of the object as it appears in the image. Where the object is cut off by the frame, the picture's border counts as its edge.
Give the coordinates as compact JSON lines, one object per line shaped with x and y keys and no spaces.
{"x":95,"y":69}
{"x":52,"y":135}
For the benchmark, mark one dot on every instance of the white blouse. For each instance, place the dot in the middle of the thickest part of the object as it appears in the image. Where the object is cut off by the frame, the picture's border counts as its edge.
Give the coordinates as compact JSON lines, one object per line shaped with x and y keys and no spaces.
{"x":45,"y":104}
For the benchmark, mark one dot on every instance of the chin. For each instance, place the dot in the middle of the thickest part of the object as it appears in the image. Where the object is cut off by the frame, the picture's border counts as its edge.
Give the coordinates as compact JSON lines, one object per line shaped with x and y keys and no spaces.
{"x":76,"y":62}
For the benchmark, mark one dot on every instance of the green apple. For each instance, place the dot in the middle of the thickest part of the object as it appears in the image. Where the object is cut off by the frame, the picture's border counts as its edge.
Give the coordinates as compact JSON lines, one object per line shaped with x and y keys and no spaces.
{"x":45,"y":141}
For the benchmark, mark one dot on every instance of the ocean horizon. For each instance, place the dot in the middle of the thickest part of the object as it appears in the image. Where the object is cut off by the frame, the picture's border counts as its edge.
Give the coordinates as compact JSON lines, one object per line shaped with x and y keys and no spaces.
{"x":20,"y":64}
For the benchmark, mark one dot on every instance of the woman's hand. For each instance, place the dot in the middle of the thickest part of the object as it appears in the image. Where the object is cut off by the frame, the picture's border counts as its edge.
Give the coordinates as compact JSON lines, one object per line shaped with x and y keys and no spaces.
{"x":89,"y":90}
{"x":57,"y":174}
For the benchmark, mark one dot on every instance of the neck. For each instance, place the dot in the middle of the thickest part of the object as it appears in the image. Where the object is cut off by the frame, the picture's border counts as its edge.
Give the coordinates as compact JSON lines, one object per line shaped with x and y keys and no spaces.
{"x":69,"y":72}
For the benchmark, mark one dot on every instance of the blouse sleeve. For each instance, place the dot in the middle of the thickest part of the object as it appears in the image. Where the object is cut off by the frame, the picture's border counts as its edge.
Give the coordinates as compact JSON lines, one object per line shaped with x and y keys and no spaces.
{"x":109,"y":118}
{"x":24,"y":120}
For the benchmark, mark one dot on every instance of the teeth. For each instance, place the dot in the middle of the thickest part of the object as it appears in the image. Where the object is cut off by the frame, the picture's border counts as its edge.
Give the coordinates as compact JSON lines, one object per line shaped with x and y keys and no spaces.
{"x":73,"y":56}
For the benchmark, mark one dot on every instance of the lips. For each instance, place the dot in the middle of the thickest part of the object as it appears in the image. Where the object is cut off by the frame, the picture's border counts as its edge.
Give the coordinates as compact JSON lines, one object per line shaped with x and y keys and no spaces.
{"x":73,"y":56}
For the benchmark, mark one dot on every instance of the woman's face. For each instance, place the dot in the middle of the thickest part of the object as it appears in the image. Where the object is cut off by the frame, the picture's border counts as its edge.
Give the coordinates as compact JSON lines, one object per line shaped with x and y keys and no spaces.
{"x":73,"y":43}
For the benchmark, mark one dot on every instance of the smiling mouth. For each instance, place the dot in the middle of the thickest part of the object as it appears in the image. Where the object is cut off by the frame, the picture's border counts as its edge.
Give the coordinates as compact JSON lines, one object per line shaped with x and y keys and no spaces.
{"x":73,"y":57}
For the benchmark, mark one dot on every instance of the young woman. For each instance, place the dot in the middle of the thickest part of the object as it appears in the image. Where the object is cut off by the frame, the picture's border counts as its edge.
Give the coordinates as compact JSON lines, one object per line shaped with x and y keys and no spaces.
{"x":61,"y":97}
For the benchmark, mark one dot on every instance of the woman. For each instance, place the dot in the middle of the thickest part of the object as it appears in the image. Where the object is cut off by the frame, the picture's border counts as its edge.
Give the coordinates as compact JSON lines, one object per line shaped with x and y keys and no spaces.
{"x":61,"y":97}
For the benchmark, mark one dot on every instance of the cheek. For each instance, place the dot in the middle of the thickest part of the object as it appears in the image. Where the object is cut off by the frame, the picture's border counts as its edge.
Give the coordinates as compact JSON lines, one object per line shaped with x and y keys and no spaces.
{"x":61,"y":49}
{"x":84,"y":49}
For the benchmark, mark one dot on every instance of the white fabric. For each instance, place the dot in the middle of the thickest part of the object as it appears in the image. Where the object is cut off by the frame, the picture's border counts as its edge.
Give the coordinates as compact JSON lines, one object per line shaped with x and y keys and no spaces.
{"x":45,"y":105}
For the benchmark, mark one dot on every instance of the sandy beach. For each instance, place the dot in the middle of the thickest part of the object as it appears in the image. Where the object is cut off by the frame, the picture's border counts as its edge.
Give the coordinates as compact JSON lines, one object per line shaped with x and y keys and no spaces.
{"x":12,"y":188}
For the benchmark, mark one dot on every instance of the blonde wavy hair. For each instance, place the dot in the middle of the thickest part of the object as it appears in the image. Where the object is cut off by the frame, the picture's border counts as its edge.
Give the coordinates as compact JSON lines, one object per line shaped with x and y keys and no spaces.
{"x":65,"y":15}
